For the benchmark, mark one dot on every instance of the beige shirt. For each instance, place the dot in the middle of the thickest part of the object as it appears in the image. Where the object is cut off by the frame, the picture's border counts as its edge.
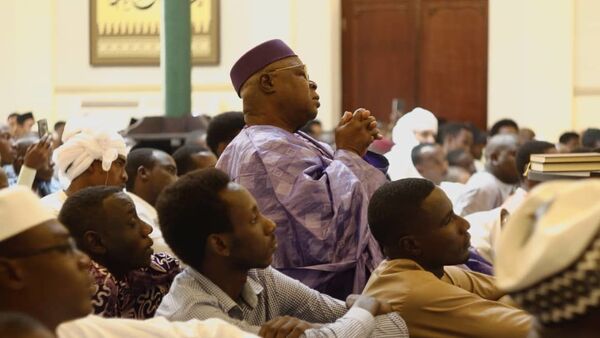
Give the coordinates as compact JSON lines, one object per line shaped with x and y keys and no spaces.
{"x":463,"y":304}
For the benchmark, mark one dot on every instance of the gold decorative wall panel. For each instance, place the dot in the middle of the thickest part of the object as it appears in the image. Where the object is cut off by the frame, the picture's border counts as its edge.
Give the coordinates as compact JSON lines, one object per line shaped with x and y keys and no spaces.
{"x":127,"y":32}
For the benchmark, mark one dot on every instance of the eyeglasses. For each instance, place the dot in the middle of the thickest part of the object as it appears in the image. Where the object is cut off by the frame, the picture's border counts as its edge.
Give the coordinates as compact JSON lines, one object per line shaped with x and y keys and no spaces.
{"x":302,"y":66}
{"x":69,"y":248}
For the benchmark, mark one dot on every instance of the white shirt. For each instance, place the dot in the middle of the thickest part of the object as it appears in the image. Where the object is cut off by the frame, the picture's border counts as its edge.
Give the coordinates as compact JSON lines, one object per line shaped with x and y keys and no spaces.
{"x":95,"y":326}
{"x":55,"y":201}
{"x":483,"y":192}
{"x":147,"y":213}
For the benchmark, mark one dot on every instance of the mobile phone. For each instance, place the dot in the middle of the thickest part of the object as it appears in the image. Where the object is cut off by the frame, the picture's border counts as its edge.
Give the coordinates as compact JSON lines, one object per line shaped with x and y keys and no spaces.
{"x":42,"y":127}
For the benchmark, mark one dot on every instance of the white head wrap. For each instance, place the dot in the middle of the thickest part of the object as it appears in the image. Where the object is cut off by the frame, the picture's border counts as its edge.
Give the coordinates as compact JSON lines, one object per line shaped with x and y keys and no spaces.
{"x":20,"y":210}
{"x":548,"y":254}
{"x":82,"y":145}
{"x":403,"y":135}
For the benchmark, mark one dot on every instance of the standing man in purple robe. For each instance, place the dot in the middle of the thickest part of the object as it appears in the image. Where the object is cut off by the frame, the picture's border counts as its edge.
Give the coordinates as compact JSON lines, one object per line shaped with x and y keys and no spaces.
{"x":317,"y":197}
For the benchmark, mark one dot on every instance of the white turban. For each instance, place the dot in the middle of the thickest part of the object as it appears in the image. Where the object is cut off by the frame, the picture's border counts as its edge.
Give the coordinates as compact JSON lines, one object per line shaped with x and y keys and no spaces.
{"x":404,"y":138}
{"x":81,"y":147}
{"x":20,"y":210}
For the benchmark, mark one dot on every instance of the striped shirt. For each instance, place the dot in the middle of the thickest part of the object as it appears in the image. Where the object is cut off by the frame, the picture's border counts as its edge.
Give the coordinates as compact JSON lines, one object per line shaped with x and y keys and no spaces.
{"x":268,"y":294}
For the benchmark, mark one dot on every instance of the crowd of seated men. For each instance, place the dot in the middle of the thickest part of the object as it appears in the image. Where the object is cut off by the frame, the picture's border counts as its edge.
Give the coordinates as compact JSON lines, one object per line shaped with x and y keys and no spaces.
{"x":265,"y":230}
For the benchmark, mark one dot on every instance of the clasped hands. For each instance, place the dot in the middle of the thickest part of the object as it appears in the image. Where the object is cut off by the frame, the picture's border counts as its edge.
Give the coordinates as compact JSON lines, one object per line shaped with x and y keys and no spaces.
{"x":356,"y":131}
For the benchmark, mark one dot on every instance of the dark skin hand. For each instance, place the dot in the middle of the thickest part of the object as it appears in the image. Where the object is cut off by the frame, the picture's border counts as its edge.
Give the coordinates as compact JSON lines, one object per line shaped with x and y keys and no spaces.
{"x":356,"y":131}
{"x":373,"y":305}
{"x":286,"y":326}
{"x":38,"y":154}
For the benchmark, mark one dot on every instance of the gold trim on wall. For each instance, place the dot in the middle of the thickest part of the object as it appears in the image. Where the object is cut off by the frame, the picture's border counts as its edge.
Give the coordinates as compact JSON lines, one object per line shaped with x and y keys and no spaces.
{"x":586,"y":91}
{"x":91,"y":89}
{"x":126,"y":32}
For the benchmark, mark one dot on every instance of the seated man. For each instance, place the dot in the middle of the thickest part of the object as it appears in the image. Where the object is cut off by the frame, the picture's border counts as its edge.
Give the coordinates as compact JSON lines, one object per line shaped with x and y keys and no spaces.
{"x":488,"y":189}
{"x":43,"y":179}
{"x":463,"y":159}
{"x":87,"y":158}
{"x":45,"y":276}
{"x":430,"y":161}
{"x":486,"y":226}
{"x":454,"y":136}
{"x":591,"y":138}
{"x":568,"y":141}
{"x":192,"y":157}
{"x":422,"y":238}
{"x":149,"y":171}
{"x":548,"y":258}
{"x":216,"y":228}
{"x":130,"y":279}
{"x":222,"y":129}
{"x":504,"y":127}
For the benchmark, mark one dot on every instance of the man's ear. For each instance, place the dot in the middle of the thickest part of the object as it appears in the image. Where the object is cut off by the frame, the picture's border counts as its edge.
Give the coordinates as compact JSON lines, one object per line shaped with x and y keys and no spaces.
{"x":93,"y":243}
{"x":494,"y":158}
{"x":265,"y":83}
{"x":221,"y":147}
{"x":12,"y":275}
{"x":219,"y":244}
{"x":143,"y":173}
{"x":410,"y":246}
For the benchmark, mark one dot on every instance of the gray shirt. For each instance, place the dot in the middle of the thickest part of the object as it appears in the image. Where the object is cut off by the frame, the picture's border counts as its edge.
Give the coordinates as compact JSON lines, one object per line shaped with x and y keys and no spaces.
{"x":268,"y":294}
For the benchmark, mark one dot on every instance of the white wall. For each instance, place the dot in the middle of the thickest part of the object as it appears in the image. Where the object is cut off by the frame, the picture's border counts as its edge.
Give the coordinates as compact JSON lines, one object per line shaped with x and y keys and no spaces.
{"x":543,"y":61}
{"x":587,"y":64}
{"x":47,"y":69}
{"x":530,"y":75}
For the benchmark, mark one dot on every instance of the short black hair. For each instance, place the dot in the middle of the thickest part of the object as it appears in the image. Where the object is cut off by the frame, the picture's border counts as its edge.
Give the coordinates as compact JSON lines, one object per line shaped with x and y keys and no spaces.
{"x":59,"y":124}
{"x":503,"y":123}
{"x":454,"y":156}
{"x":590,"y":138}
{"x":16,"y":324}
{"x":136,"y":158}
{"x":190,"y":210}
{"x":415,"y":154}
{"x":451,"y":129}
{"x":526,"y":150}
{"x":13,"y":114}
{"x":84,"y":210}
{"x":183,"y":157}
{"x":21,"y":118}
{"x":479,"y":136}
{"x":393,"y":208}
{"x":224,"y":128}
{"x":567,"y":137}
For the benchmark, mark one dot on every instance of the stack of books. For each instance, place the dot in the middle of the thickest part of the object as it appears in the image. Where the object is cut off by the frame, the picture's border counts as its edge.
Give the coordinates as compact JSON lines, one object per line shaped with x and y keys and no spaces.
{"x":553,"y":166}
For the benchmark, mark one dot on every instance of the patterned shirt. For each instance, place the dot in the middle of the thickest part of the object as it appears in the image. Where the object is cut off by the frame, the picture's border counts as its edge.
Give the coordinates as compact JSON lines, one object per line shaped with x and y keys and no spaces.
{"x":138,"y":294}
{"x":268,"y":294}
{"x":317,"y":197}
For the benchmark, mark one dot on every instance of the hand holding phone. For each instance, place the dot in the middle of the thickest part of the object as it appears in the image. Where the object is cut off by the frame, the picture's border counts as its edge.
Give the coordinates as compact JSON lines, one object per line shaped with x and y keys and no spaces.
{"x":42,"y":127}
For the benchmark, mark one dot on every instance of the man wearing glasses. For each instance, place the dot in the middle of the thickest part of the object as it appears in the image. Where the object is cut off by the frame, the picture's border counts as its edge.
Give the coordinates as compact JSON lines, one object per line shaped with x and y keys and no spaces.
{"x":317,"y":197}
{"x":45,"y":276}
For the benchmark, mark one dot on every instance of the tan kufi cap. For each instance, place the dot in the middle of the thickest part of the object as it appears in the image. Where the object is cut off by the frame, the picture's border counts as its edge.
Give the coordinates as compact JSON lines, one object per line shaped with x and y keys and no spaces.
{"x":20,"y":210}
{"x":549,"y":251}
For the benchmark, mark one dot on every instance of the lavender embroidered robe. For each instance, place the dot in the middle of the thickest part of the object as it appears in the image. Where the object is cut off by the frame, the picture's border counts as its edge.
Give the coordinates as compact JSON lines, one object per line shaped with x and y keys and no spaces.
{"x":317,"y":198}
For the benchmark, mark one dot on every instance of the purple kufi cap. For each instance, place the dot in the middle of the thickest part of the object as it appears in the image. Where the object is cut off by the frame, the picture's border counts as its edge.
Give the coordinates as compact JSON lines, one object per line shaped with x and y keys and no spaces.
{"x":256,"y":59}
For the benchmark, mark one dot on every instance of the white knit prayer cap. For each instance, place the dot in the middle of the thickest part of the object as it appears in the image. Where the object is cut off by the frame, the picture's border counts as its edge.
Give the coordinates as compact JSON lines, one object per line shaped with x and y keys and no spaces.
{"x":547,"y":234}
{"x":84,"y":141}
{"x":20,"y":210}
